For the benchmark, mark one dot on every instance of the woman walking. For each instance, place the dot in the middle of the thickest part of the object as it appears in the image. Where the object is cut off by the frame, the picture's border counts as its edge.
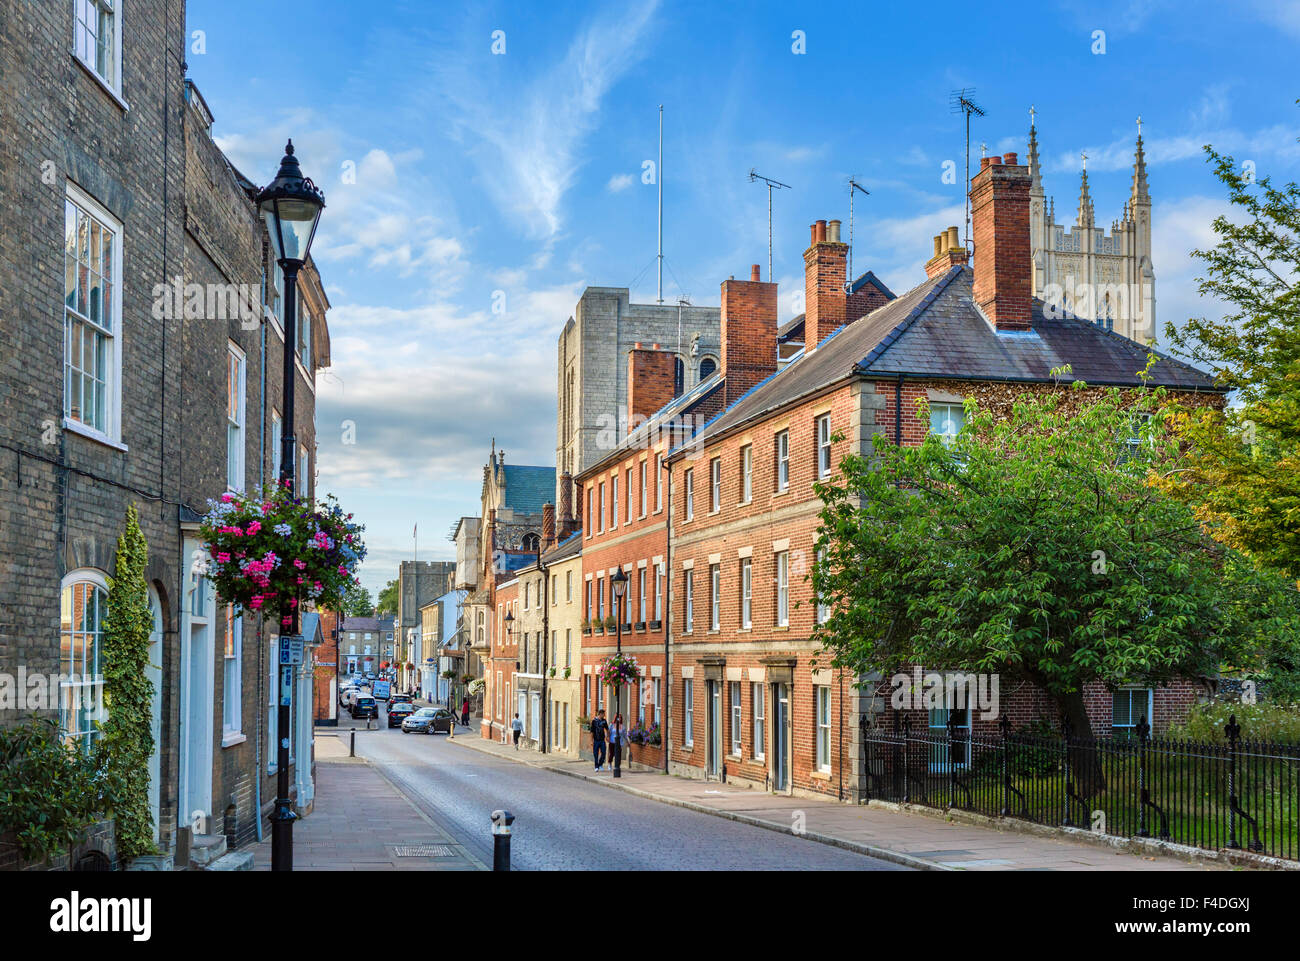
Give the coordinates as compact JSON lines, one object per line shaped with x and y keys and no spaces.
{"x":617,"y":738}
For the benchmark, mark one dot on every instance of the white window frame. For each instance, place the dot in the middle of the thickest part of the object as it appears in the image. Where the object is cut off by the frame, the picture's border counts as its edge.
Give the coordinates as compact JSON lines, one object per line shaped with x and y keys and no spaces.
{"x":236,"y":397}
{"x":644,"y":492}
{"x":737,"y":716}
{"x":688,"y":482}
{"x":232,"y":687}
{"x":277,"y":442}
{"x":600,"y":524}
{"x":954,"y":417}
{"x":659,"y":482}
{"x":641,"y":592}
{"x":746,"y":593}
{"x":1131,"y":727}
{"x":715,"y":485}
{"x":747,"y":473}
{"x":613,"y":502}
{"x":823,"y":609}
{"x":759,"y":719}
{"x":110,"y":75}
{"x":110,"y":327}
{"x":627,"y":497}
{"x":782,"y":461}
{"x":822,"y":707}
{"x":824,"y":446}
{"x":783,"y":589}
{"x":688,"y":714}
{"x":688,"y":597}
{"x":302,"y":479}
{"x":568,"y":587}
{"x":715,"y":597}
{"x":87,"y":690}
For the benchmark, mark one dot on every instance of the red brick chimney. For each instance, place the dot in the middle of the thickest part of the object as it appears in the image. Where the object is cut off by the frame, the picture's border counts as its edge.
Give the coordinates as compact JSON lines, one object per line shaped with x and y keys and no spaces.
{"x":748,"y":333}
{"x":548,"y":526}
{"x":824,"y":274}
{"x":651,"y":378}
{"x":948,"y":250}
{"x":566,"y":519}
{"x":1000,"y":212}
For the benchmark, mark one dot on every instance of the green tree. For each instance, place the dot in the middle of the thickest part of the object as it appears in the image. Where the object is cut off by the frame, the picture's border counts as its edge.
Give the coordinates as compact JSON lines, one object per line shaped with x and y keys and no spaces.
{"x":357,"y":602}
{"x":387,"y":599}
{"x":128,"y":692}
{"x":1242,"y":474}
{"x":1032,"y":547}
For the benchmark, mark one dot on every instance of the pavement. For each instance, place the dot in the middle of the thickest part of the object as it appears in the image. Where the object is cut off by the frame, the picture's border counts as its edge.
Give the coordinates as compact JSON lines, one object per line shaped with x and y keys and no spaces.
{"x":927,"y":841}
{"x":361,"y":822}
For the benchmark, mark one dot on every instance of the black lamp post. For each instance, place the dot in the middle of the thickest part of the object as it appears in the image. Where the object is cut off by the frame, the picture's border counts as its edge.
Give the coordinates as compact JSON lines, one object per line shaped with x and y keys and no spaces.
{"x":619,"y":583}
{"x":290,"y":206}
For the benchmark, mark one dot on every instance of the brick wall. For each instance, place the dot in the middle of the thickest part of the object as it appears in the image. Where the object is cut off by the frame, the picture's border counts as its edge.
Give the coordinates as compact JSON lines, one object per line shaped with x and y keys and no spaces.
{"x":748,"y":334}
{"x":1000,"y":223}
{"x":824,"y":274}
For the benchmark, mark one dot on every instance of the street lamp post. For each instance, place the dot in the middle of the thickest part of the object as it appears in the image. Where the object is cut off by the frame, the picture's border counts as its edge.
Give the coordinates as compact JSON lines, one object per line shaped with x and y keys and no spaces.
{"x":290,"y":206}
{"x":619,"y":582}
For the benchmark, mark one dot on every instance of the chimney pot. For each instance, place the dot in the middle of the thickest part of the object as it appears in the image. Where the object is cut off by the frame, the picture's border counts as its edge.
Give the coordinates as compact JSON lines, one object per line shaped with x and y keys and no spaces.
{"x":833,"y":231}
{"x":821,"y":231}
{"x":985,"y":161}
{"x":754,"y":275}
{"x":1009,"y":158}
{"x":938,"y":244}
{"x":953,"y":240}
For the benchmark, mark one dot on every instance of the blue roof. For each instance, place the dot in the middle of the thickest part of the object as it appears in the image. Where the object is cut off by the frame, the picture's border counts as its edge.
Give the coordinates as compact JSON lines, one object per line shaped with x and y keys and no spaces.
{"x":528,"y":488}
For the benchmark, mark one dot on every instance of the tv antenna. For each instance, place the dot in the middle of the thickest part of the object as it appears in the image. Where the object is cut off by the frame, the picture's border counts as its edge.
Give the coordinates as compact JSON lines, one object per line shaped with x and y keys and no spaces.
{"x":962,"y":101}
{"x":853,"y":185}
{"x":659,"y":180}
{"x":770,"y":184}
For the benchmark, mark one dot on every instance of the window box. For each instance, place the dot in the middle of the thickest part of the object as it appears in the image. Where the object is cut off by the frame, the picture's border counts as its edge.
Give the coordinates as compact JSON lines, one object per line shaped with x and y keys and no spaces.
{"x":656,"y":625}
{"x":639,"y":625}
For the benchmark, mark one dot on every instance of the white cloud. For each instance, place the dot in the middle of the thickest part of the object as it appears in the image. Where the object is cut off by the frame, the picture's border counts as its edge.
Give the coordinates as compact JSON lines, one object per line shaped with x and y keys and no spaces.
{"x":528,"y":140}
{"x":619,"y":182}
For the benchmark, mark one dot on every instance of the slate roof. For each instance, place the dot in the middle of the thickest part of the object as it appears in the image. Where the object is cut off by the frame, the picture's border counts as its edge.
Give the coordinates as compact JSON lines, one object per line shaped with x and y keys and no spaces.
{"x":793,"y":328}
{"x":366,"y":624}
{"x":571,"y":546}
{"x":528,"y":488}
{"x":935,"y":331}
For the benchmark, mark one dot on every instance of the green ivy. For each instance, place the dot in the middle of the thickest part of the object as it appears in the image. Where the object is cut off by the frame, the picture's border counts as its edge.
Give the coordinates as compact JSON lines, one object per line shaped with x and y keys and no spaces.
{"x":128,"y":692}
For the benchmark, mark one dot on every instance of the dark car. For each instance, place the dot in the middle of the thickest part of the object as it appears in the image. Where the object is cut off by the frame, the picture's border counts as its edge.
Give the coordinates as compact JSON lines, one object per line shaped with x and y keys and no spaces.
{"x":366,"y":707}
{"x":399,"y":711}
{"x":428,"y":720}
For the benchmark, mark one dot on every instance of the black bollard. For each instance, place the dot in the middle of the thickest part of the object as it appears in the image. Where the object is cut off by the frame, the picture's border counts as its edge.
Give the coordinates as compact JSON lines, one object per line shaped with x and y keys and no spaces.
{"x":501,"y":821}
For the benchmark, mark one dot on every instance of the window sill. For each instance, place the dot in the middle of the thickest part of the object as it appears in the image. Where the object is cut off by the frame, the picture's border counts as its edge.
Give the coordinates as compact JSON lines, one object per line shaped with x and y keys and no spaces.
{"x":103,"y":84}
{"x":820,"y":775}
{"x":735,"y":757}
{"x":77,"y":427}
{"x":744,"y":630}
{"x":783,"y":628}
{"x":231,"y":738}
{"x":781,"y":493}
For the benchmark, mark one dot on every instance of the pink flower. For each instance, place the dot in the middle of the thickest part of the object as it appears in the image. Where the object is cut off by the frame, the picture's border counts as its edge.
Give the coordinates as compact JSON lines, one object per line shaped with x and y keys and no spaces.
{"x":223,"y":558}
{"x":286,"y":621}
{"x":227,"y":498}
{"x":254,"y":527}
{"x":301,"y":565}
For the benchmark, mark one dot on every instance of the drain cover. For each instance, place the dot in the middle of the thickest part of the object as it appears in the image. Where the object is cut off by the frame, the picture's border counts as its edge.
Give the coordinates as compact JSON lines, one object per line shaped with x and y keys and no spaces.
{"x":423,"y":851}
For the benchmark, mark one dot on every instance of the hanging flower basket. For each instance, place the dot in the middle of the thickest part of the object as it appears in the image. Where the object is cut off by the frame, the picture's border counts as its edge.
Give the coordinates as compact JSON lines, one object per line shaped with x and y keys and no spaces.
{"x":476,"y":687}
{"x":619,"y":670}
{"x":278,"y":551}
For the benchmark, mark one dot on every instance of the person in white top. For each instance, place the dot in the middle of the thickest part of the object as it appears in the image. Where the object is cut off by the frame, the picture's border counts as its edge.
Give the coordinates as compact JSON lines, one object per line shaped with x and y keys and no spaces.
{"x":518,"y":727}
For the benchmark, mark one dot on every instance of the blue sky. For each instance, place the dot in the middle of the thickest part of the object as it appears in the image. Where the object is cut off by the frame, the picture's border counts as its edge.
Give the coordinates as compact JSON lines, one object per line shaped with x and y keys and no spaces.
{"x":452,"y":173}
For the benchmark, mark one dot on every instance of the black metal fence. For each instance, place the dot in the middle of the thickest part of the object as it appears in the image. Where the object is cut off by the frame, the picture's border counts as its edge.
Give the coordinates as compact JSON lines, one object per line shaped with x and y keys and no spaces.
{"x":1234,"y":794}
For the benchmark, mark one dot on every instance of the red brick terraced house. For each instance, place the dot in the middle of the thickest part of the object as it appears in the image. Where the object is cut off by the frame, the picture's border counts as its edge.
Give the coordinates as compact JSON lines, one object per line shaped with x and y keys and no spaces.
{"x":748,"y":700}
{"x":626,"y":505}
{"x":500,"y":664}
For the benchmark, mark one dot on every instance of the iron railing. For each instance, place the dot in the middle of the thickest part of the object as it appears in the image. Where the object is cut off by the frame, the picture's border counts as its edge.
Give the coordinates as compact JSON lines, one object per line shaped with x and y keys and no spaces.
{"x":1234,"y":794}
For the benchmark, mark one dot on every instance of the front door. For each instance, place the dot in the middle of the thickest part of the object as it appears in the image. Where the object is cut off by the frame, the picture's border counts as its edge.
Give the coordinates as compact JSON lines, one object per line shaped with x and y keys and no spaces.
{"x":715,"y":728}
{"x":780,"y":737}
{"x":197,"y":660}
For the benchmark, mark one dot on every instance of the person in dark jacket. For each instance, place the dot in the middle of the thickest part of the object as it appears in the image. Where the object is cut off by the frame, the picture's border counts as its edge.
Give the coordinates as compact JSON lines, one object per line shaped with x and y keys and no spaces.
{"x":598,"y":731}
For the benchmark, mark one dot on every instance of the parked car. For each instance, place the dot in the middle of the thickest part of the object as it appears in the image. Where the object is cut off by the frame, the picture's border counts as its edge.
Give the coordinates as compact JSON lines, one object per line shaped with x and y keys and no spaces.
{"x":365,"y":706}
{"x":400,"y":698}
{"x":399,"y":712}
{"x":428,"y":720}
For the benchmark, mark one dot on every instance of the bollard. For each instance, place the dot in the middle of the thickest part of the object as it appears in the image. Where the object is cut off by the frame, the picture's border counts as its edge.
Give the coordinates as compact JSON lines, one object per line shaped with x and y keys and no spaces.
{"x":352,"y":745}
{"x":501,"y":821}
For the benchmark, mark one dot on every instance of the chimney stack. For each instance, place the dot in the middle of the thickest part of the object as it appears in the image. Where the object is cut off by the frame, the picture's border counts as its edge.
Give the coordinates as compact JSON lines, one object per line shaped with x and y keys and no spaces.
{"x":947,"y":252}
{"x":651,"y":382}
{"x":548,"y":526}
{"x":565,"y":508}
{"x":824,"y":276}
{"x":1000,"y":214}
{"x":748,"y":335}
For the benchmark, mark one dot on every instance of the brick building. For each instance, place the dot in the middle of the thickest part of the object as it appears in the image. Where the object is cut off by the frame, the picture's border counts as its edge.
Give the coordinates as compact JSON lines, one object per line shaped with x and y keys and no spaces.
{"x":749,"y":701}
{"x":119,"y":387}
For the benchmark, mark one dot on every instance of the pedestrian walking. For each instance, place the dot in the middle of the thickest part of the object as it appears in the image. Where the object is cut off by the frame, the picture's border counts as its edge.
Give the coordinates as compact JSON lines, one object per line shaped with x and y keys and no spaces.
{"x":518,"y":727}
{"x":617,"y":738}
{"x":464,"y":713}
{"x":598,"y":730}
